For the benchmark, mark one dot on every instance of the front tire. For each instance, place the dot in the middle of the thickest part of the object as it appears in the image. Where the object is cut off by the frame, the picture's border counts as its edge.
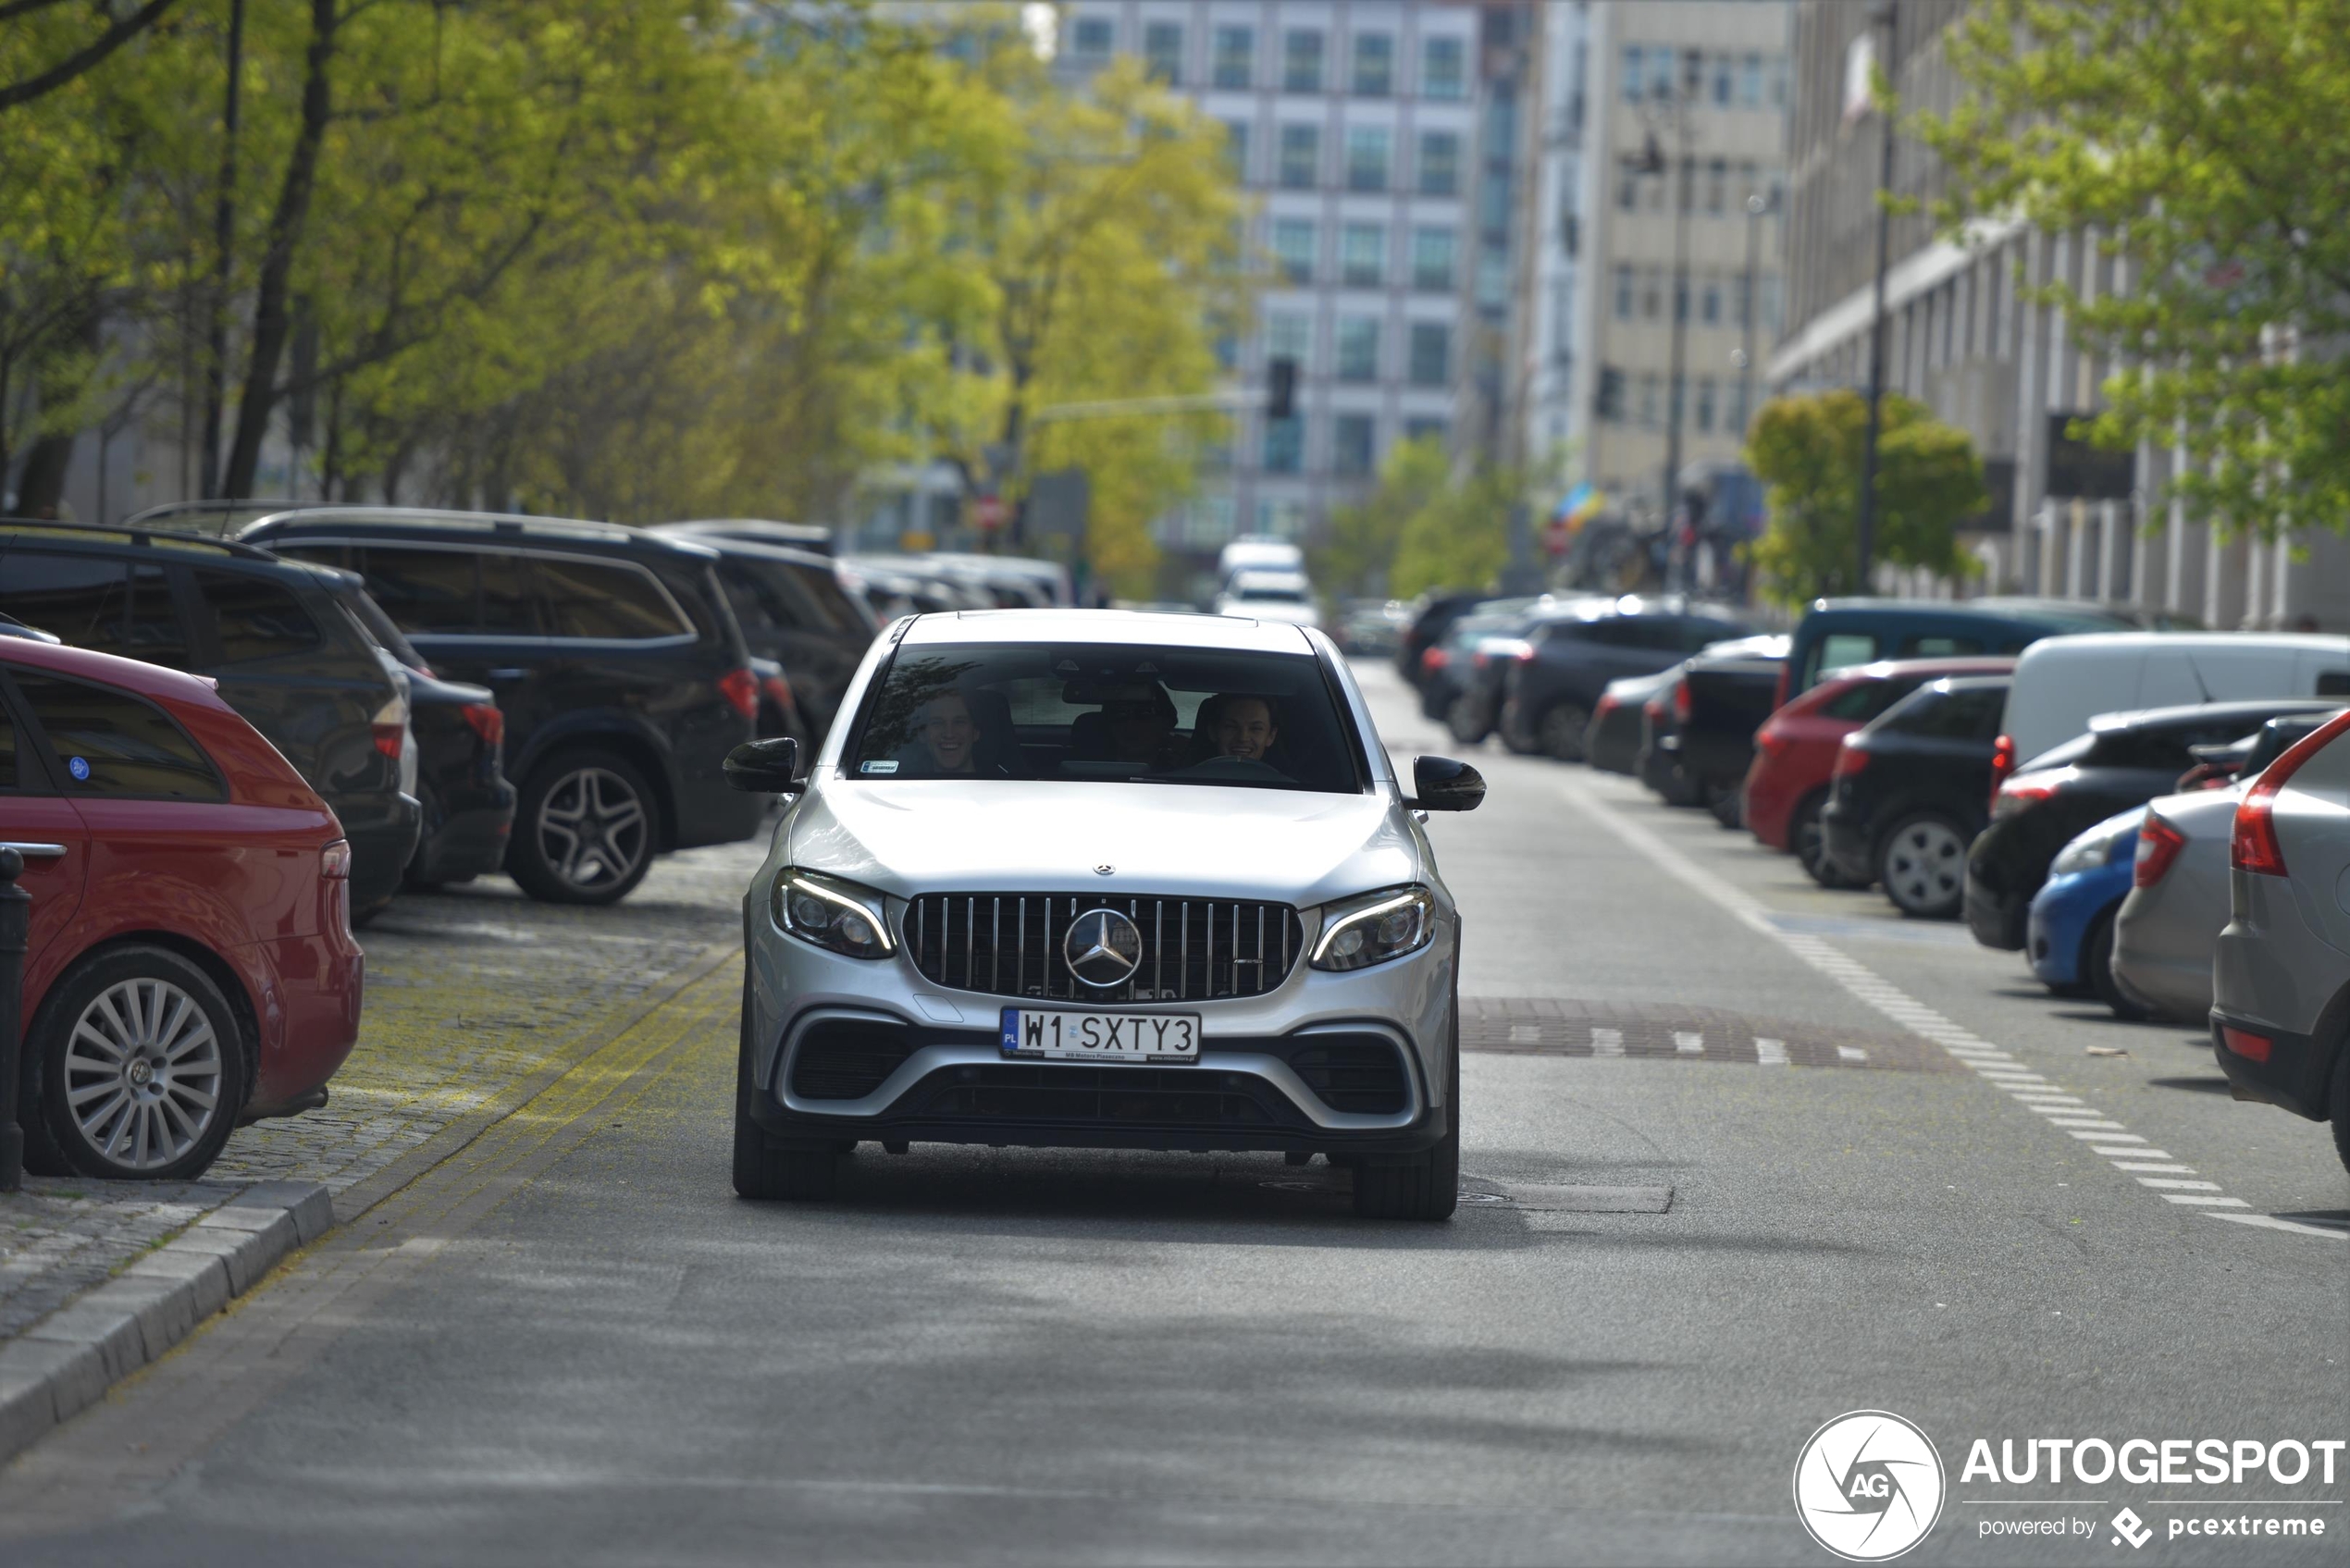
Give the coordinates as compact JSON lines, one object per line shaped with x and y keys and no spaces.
{"x":1922,"y":866}
{"x":1467,"y":722}
{"x":1427,"y":1186}
{"x":1559,"y":731}
{"x":141,"y":1068}
{"x":584,"y":830}
{"x":766,"y":1170}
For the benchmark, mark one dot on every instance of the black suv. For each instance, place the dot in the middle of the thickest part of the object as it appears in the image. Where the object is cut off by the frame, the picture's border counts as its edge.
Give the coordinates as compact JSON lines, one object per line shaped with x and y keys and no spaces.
{"x":619,"y":668}
{"x":286,"y":656}
{"x":794,"y":610}
{"x":1546,"y":700}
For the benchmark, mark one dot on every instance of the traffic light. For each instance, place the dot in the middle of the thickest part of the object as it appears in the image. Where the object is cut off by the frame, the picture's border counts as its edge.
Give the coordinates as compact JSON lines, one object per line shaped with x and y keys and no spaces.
{"x":1281,"y":388}
{"x":1611,"y":395}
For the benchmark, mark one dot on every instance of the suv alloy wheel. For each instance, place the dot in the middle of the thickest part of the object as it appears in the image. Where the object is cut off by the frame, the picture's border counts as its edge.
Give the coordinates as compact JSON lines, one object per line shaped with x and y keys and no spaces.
{"x":1922,"y":866}
{"x":585,"y":829}
{"x":1560,"y":730}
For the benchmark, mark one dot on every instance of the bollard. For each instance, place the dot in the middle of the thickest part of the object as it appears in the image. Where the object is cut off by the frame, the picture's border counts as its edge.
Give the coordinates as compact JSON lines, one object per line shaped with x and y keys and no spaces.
{"x":15,"y":909}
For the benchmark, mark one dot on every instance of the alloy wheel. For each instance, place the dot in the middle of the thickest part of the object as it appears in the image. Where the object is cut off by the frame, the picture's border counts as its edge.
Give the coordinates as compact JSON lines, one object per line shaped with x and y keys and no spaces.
{"x":142,"y":1073}
{"x":593,"y":829}
{"x":1924,"y":869}
{"x":1561,"y":730}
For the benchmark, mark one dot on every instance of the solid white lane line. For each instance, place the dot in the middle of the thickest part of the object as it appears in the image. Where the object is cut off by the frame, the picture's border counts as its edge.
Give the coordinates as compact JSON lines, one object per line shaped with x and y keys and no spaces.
{"x":1851,"y":1053}
{"x":2132,"y":1153}
{"x":2270,"y":1222}
{"x":1876,"y":992}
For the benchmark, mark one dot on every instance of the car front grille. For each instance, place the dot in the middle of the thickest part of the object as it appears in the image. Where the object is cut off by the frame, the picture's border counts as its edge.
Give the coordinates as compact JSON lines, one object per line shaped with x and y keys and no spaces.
{"x":1194,"y":949}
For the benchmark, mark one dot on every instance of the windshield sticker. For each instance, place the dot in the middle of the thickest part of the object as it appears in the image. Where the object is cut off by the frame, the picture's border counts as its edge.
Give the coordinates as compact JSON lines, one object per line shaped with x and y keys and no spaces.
{"x":887,"y":765}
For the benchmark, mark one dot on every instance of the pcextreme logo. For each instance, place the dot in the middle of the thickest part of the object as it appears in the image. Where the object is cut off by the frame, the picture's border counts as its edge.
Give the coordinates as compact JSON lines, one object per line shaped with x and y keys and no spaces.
{"x":1869,"y":1486}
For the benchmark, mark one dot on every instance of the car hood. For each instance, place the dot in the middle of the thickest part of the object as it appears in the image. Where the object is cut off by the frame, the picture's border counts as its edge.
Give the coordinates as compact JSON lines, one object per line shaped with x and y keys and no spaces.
{"x":912,"y":836}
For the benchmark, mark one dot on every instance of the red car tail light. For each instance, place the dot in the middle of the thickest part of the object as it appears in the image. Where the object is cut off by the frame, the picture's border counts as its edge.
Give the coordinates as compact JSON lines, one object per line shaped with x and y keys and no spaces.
{"x":2253,"y":846}
{"x":334,"y":860}
{"x":2012,"y":796}
{"x":488,"y":723}
{"x":778,"y":691}
{"x":2244,"y":1042}
{"x":2002,"y":765}
{"x":1607,"y":704}
{"x":740,"y":687}
{"x":1435,"y":659}
{"x":1850,"y":759}
{"x":1681,"y":700}
{"x":2158,"y":844}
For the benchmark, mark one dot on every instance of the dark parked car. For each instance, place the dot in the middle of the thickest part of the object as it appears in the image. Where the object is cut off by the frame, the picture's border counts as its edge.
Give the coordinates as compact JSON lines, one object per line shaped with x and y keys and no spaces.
{"x":794,"y":610}
{"x":460,"y":777}
{"x":1448,"y":669}
{"x":1908,"y":790}
{"x":1720,"y":699}
{"x":613,"y":655}
{"x":1612,"y":740}
{"x":298,"y":669}
{"x":1837,"y":633}
{"x":1430,"y":620}
{"x":2125,"y":759}
{"x":1546,"y":700}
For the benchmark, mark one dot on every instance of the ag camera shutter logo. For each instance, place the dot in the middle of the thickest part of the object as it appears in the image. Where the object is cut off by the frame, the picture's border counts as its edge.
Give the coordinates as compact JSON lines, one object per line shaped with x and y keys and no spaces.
{"x":1869,"y":1486}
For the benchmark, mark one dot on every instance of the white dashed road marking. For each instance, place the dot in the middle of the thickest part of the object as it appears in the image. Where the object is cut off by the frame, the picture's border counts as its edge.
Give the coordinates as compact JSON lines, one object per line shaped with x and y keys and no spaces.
{"x":2065,"y":1111}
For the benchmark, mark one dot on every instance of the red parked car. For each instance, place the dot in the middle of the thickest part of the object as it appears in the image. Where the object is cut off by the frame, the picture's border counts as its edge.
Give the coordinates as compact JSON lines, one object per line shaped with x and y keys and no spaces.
{"x":190,"y":963}
{"x":1795,"y":749}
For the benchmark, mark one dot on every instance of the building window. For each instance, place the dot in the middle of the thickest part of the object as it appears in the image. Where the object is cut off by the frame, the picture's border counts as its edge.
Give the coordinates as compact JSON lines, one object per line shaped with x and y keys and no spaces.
{"x":1660,"y":76}
{"x":1778,"y":81}
{"x":1293,"y":248}
{"x":1492,"y":280}
{"x":1725,"y":71}
{"x":1426,"y":429}
{"x":1648,"y":401}
{"x":1351,"y":442}
{"x":1236,"y":149}
{"x":1623,"y":294}
{"x":1751,"y":83}
{"x":1705,"y":404}
{"x":1366,"y":157}
{"x":1095,"y":37}
{"x":1163,"y":52}
{"x":1433,"y":253}
{"x":1431,"y":357}
{"x":1358,"y":348}
{"x":1302,"y":60}
{"x":1289,"y":335}
{"x":1680,"y":297}
{"x":1442,"y":69}
{"x":1439,"y":170}
{"x":1373,"y":64}
{"x":1636,"y":67}
{"x":1301,"y":156}
{"x":1235,"y":56}
{"x":1627,"y":185}
{"x":1284,"y":445}
{"x":1710,"y":302}
{"x":1361,"y":255}
{"x":1734,"y":422}
{"x":1717,"y":185}
{"x":1750,"y":180}
{"x":1741,"y":299}
{"x":1652,"y":294}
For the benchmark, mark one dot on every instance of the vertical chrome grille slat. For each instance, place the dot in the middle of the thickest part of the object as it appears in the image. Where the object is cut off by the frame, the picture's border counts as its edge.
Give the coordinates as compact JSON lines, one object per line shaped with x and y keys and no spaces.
{"x":1183,"y":956}
{"x":995,"y":944}
{"x":971,"y":934}
{"x":1158,"y":947}
{"x":1020,"y":985}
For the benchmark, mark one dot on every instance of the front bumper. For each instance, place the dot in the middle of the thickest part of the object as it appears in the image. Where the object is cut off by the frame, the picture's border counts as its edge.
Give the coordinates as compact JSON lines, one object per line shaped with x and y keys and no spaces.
{"x":937,"y":1072}
{"x":2057,"y":921}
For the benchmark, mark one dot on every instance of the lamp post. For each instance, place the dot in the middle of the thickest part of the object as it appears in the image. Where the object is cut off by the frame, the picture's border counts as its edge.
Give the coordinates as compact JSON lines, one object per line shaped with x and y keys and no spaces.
{"x":1757,"y":205}
{"x":1678,"y":109}
{"x":1887,"y":13}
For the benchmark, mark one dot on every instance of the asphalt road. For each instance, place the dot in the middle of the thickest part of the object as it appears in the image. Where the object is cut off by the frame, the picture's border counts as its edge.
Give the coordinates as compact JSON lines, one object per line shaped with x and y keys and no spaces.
{"x":1876,"y":1150}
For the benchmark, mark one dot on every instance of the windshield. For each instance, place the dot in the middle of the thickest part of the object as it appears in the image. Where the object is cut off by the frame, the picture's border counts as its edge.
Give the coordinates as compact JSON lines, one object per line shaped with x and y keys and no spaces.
{"x":1117,"y":714}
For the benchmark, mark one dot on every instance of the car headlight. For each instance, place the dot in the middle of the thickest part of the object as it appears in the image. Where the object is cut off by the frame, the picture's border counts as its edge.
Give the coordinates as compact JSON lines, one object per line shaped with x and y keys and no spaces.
{"x":830,"y":913}
{"x":2096,"y":848}
{"x":1375,"y":927}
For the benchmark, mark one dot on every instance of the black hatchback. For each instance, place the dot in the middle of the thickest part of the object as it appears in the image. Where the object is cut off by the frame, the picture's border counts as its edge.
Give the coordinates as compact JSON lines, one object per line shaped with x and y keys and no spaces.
{"x":268,"y":631}
{"x":793,"y":610}
{"x":2125,"y":759}
{"x":1909,"y":793}
{"x":619,"y":668}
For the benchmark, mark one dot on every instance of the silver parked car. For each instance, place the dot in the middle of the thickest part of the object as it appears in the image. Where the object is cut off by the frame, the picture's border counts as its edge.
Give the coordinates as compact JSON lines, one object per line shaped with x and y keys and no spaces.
{"x":2178,"y":900}
{"x":2281,"y":978}
{"x":1103,"y":880}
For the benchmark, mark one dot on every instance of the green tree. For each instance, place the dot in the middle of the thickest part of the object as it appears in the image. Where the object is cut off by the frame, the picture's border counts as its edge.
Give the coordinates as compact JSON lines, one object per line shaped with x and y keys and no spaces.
{"x":1808,"y":450}
{"x":1365,"y":534}
{"x":2209,"y":141}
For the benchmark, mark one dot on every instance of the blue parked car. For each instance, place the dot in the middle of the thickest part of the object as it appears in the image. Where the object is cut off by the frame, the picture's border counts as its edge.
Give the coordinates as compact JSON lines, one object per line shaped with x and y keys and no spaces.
{"x":2071,"y":933}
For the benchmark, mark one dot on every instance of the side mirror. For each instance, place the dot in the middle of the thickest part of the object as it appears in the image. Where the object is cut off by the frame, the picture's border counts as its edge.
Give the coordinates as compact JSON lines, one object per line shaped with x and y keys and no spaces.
{"x":765,"y":767}
{"x":1439,"y":784}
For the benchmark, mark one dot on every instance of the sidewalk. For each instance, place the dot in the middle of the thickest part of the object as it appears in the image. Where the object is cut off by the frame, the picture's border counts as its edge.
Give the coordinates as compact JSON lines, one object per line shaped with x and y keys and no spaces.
{"x":476,"y":998}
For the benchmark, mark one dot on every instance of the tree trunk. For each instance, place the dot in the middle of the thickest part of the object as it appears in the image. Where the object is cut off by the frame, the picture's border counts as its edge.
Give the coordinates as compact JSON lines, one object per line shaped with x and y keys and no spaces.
{"x":272,"y":313}
{"x":40,"y":487}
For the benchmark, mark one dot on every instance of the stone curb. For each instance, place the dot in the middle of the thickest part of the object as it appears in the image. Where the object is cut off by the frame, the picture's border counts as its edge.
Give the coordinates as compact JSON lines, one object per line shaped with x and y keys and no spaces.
{"x":67,"y":1360}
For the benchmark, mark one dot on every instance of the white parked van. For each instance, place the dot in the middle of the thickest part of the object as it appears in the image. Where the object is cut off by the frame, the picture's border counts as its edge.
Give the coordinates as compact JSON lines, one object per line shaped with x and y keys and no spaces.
{"x":1257,"y":553}
{"x":2062,"y":683}
{"x":1270,"y":596}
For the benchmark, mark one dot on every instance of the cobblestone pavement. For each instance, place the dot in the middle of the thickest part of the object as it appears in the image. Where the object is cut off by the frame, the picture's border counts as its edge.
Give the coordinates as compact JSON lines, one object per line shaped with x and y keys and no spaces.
{"x":471,"y":993}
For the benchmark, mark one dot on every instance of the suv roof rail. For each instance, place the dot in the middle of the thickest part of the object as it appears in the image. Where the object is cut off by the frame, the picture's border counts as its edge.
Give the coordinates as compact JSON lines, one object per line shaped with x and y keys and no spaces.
{"x":484,"y":522}
{"x":145,"y":536}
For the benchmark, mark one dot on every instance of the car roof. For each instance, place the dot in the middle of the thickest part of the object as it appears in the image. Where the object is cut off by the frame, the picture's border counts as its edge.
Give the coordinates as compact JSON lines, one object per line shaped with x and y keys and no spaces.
{"x":395,"y":521}
{"x":2252,"y":711}
{"x":2089,"y":643}
{"x":1996,"y":608}
{"x":45,"y":531}
{"x":1222,"y":631}
{"x":131,"y":674}
{"x":1952,"y":665}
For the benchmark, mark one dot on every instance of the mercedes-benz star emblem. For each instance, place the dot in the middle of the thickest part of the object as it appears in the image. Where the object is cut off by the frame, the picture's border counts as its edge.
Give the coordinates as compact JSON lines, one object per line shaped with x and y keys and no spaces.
{"x":1104,"y":870}
{"x":1102,"y":948}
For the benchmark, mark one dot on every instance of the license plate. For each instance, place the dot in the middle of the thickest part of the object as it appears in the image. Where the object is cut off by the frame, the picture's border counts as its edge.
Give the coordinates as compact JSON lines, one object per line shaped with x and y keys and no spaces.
{"x":1054,"y":1036}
